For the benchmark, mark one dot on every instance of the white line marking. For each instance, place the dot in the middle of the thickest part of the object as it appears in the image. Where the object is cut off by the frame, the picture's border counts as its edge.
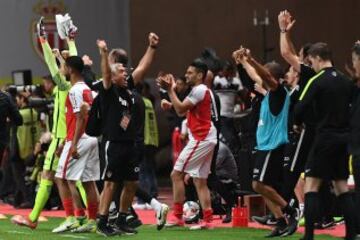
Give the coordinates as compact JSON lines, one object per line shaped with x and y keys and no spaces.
{"x":18,"y":232}
{"x":72,"y":236}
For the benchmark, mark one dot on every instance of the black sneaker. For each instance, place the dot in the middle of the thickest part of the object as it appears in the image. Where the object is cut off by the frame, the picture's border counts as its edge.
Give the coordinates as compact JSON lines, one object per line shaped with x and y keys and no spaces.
{"x":325,"y":223}
{"x":268,"y":220}
{"x":293,"y":222}
{"x":133,"y":221}
{"x":126,"y":229}
{"x":106,"y":230}
{"x":113,"y":215}
{"x":227,"y":218}
{"x":278,"y":231}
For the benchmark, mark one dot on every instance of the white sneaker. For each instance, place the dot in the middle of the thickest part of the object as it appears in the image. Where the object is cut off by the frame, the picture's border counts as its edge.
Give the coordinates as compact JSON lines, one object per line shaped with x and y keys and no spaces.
{"x":161,"y":216}
{"x":139,"y":206}
{"x":60,"y":19}
{"x":69,"y":224}
{"x":88,"y":227}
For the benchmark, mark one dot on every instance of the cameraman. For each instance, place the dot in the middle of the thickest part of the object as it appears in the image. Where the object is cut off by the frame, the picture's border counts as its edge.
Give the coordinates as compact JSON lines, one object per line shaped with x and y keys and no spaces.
{"x":9,"y":114}
{"x":21,"y":147}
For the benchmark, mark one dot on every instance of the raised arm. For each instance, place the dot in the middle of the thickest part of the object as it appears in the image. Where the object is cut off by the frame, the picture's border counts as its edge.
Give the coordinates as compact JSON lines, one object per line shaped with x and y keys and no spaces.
{"x":146,"y":60}
{"x":241,"y":58}
{"x":287,"y":48}
{"x":50,"y":60}
{"x":181,"y":107}
{"x":72,"y":46}
{"x":105,"y":67}
{"x":270,"y":83}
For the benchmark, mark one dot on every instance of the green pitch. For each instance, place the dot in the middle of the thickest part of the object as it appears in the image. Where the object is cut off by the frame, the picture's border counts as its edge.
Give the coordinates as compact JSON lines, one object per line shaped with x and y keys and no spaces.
{"x":9,"y":231}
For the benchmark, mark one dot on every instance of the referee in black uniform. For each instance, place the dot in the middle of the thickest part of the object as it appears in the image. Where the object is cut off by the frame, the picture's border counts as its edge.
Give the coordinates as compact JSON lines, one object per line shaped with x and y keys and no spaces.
{"x":329,"y":92}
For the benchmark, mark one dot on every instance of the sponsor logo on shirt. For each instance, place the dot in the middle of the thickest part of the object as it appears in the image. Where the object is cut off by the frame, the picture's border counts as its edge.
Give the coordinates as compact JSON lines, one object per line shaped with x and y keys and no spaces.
{"x":261,"y":122}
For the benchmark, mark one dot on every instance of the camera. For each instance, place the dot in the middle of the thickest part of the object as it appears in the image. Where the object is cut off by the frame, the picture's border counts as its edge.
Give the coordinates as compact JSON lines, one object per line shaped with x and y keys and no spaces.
{"x":14,"y":89}
{"x":36,"y":102}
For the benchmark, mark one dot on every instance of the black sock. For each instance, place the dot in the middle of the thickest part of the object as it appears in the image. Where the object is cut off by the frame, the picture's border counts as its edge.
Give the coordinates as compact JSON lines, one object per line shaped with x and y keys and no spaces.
{"x":121,"y":218}
{"x":102,"y":220}
{"x":133,"y":212}
{"x":347,"y":207}
{"x":311,"y":210}
{"x":144,"y":196}
{"x":294,"y":203}
{"x":281,"y":222}
{"x":288,"y":209}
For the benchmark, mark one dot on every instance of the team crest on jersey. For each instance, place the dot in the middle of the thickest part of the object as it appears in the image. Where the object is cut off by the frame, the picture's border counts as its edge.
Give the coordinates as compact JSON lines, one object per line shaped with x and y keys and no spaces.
{"x":48,"y":9}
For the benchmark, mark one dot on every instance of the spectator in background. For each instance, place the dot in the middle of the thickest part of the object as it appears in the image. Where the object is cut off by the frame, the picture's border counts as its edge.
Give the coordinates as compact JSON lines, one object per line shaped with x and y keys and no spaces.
{"x":182,"y":90}
{"x":147,"y":175}
{"x":228,"y":86}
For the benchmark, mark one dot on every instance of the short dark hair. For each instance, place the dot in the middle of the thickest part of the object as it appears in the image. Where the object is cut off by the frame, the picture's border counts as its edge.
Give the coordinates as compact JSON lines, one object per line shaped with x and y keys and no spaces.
{"x":321,"y":50}
{"x":356,"y":49}
{"x":119,"y":57}
{"x":275,"y":69}
{"x":305,"y":49}
{"x":76,"y":63}
{"x":200,"y":66}
{"x":182,"y":78}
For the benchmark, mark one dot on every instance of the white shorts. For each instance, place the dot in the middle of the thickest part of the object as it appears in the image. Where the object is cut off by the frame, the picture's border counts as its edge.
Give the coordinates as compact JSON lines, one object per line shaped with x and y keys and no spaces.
{"x":195,"y":159}
{"x":84,"y":169}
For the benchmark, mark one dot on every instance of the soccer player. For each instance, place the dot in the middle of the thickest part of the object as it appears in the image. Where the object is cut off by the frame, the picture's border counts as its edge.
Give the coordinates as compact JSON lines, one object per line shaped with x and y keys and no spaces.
{"x":195,"y":158}
{"x":271,"y":136}
{"x":58,"y":136}
{"x":79,"y":159}
{"x":328,"y":159}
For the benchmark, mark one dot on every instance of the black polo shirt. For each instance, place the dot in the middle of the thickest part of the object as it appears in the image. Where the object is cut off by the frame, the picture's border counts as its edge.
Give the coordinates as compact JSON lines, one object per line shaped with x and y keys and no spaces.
{"x":118,"y":103}
{"x":330,"y":95}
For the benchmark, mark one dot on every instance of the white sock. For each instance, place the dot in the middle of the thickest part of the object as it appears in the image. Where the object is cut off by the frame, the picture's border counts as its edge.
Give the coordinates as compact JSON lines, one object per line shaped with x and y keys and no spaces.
{"x":301,"y":206}
{"x":155,"y":204}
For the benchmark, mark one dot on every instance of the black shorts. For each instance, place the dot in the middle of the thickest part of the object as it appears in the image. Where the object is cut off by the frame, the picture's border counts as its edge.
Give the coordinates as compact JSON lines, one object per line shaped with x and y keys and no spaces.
{"x":329,"y":158}
{"x":296,"y":152}
{"x":268,"y":167}
{"x":122,"y":165}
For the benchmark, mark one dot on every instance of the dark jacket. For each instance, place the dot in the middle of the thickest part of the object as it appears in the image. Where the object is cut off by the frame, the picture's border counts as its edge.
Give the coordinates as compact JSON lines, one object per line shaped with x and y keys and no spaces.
{"x":8,"y":110}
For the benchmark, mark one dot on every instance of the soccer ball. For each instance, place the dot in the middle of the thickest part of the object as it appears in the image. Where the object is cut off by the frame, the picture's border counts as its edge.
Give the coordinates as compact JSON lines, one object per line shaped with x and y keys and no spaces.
{"x":191,"y":212}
